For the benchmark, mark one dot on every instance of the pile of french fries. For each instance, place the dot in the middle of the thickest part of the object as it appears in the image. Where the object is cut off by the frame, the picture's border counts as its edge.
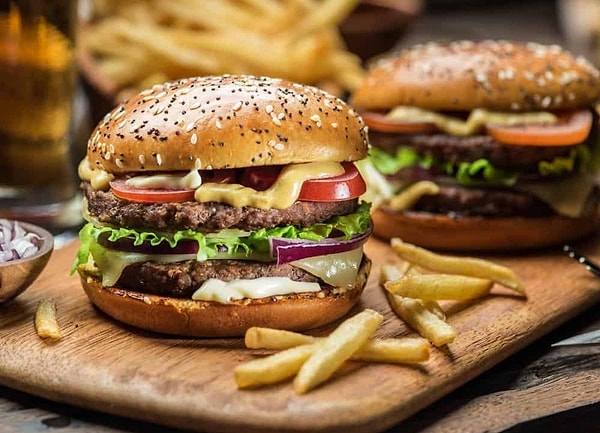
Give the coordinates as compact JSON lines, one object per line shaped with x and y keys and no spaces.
{"x":414,"y":295}
{"x":314,"y":360}
{"x":139,"y":43}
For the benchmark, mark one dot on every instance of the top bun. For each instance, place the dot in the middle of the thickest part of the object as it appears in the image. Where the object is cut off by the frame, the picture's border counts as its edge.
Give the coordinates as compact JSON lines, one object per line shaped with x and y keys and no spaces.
{"x":226,"y":122}
{"x":464,"y":75}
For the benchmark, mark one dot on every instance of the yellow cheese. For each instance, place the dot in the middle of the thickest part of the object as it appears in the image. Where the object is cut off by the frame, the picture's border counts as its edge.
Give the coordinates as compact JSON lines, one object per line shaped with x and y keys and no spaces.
{"x":281,"y":195}
{"x":225,"y":291}
{"x":567,"y":196}
{"x":338,"y":270}
{"x":98,"y":178}
{"x":477,"y":119}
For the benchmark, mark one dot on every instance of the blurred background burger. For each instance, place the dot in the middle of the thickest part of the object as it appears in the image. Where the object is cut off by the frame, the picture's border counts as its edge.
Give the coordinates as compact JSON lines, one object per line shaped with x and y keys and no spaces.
{"x":504,"y":134}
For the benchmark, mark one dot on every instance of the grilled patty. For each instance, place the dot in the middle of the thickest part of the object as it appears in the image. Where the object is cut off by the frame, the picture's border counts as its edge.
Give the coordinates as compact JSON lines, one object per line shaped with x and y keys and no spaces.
{"x":182,"y":279}
{"x":444,"y":147}
{"x":206,"y":217}
{"x":464,"y":201}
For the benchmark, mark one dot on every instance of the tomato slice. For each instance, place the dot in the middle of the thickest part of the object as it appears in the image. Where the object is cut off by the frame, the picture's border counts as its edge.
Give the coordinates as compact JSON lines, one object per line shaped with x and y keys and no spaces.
{"x":572,"y":128}
{"x":120,"y":189}
{"x":346,"y":186}
{"x":379,"y":122}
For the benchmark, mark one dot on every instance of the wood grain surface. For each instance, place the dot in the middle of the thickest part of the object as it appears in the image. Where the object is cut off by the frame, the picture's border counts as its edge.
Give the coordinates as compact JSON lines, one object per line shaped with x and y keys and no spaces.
{"x":188,"y":383}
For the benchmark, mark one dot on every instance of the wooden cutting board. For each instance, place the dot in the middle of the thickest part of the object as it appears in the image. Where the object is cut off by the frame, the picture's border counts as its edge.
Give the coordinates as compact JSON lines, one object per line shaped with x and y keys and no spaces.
{"x":188,"y":383}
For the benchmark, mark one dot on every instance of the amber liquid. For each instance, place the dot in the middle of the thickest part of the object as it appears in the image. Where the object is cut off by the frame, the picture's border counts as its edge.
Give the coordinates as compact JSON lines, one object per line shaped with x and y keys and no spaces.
{"x":37,"y":80}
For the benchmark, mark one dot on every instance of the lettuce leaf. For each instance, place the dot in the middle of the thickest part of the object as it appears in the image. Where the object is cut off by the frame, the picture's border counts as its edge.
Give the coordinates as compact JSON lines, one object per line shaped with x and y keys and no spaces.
{"x":482,"y":172}
{"x":256,"y":242}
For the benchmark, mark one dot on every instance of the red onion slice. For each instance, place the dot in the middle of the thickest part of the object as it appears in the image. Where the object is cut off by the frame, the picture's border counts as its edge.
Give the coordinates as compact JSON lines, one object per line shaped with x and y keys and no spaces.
{"x":15,"y":242}
{"x":289,"y":250}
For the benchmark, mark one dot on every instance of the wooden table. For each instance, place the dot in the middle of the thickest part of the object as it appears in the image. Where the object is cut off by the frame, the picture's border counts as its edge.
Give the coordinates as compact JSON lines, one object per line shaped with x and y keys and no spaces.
{"x":540,"y":389}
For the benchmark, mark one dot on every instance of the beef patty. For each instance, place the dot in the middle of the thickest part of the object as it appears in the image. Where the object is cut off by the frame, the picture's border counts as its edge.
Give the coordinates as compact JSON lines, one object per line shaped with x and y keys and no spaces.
{"x":182,"y":279}
{"x":488,"y":202}
{"x":206,"y":217}
{"x":444,"y":147}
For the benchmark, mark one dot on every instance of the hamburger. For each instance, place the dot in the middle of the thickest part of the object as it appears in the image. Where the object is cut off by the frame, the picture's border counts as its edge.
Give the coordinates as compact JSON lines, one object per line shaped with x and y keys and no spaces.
{"x":218,"y":203}
{"x":505,"y":131}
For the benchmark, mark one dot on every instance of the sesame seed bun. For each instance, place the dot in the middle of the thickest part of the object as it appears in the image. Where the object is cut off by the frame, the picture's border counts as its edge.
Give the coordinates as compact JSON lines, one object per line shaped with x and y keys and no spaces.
{"x":226,"y":122}
{"x":496,"y":75}
{"x":211,"y":319}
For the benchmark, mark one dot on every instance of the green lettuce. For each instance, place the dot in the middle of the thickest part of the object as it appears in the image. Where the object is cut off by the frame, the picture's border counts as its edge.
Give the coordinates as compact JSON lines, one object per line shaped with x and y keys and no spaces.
{"x":235,"y":242}
{"x":482,"y":172}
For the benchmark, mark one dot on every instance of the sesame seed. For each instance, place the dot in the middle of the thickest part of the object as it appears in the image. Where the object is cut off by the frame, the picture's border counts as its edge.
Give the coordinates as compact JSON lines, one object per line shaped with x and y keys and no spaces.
{"x":571,"y":96}
{"x":218,"y":124}
{"x":119,"y":163}
{"x":281,"y":116}
{"x":158,"y":110}
{"x":237,"y":106}
{"x":546,"y":101}
{"x":119,"y":115}
{"x":142,"y":159}
{"x":190,"y":127}
{"x":195,"y":106}
{"x":334,"y":125}
{"x":541,"y":82}
{"x":194,"y":138}
{"x":275,"y":120}
{"x":269,"y":109}
{"x":279,"y":146}
{"x":515,"y":106}
{"x":160,"y":95}
{"x":158,"y":159}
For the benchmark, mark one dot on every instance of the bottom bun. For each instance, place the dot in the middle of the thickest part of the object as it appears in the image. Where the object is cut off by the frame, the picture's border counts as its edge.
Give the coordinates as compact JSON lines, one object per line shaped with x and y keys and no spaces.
{"x":454,"y":233}
{"x":186,"y":317}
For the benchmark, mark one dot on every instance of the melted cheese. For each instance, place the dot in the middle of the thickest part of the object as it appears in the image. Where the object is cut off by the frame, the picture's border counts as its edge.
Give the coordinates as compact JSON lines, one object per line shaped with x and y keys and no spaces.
{"x":477,"y":119}
{"x":225,"y":291}
{"x":567,"y":196}
{"x":281,"y":195}
{"x":338,"y":270}
{"x":99,"y":179}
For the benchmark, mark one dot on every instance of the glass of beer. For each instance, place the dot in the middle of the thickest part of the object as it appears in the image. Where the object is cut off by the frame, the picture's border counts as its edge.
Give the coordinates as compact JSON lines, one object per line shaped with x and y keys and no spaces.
{"x":37,"y":83}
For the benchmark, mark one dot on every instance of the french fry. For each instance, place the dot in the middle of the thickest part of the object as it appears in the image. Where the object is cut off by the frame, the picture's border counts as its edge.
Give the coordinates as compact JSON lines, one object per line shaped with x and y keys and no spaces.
{"x":407,"y":198}
{"x":274,"y":339}
{"x":467,"y":266}
{"x":392,"y":350}
{"x":427,"y":324}
{"x":45,"y":321}
{"x":274,"y":368}
{"x":439,"y":286}
{"x":339,"y":346}
{"x":391,"y":272}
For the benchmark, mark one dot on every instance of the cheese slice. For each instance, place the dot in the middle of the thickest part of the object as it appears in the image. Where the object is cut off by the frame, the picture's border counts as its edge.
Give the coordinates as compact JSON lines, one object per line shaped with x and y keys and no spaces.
{"x":567,"y":196}
{"x":338,"y":270}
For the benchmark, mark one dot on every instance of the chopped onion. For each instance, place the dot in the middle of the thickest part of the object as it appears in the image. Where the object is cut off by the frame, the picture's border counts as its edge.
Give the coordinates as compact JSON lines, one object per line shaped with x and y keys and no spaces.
{"x":15,"y":242}
{"x":289,"y":250}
